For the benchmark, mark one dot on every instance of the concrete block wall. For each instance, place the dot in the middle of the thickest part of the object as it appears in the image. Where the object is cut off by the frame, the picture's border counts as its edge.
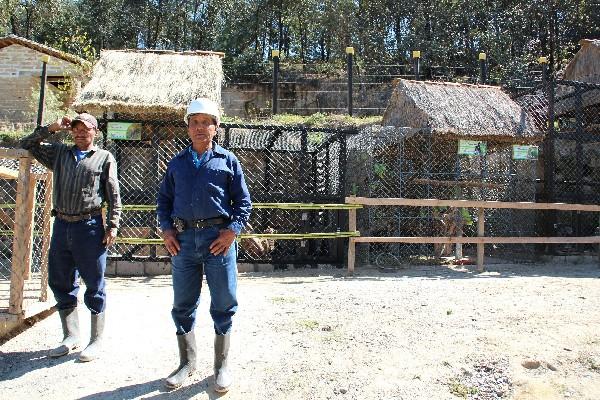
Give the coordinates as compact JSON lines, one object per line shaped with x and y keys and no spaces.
{"x":20,"y":71}
{"x":18,"y":61}
{"x":154,"y":268}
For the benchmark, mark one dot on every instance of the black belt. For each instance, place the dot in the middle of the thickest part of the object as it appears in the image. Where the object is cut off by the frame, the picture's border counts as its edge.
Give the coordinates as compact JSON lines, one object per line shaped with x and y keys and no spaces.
{"x":77,"y":217}
{"x":182,"y":224}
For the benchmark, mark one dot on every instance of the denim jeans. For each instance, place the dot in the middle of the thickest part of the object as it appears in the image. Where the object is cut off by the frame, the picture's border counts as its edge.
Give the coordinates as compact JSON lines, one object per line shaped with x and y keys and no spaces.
{"x":221,"y":275}
{"x":76,"y":249}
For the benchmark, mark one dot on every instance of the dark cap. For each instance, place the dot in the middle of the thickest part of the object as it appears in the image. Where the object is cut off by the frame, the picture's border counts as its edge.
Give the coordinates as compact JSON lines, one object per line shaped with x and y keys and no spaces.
{"x":87,"y":119}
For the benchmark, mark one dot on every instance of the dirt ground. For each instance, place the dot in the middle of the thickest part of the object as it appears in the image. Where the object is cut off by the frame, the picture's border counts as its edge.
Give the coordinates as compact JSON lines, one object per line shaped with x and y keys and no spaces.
{"x":427,"y":332}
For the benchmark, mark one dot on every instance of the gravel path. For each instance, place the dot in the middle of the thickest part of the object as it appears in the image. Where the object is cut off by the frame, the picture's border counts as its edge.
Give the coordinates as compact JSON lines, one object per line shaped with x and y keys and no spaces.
{"x":429,"y":332}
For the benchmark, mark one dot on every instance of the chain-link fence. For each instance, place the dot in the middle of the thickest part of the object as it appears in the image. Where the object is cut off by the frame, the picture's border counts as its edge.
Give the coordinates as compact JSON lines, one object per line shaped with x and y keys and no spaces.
{"x":412,"y":163}
{"x":573,"y":164}
{"x":35,"y":285}
{"x":282,"y":165}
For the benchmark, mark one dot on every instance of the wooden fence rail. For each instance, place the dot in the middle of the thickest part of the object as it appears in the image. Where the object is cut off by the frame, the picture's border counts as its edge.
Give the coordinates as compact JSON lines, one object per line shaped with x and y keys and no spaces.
{"x":480,"y":239}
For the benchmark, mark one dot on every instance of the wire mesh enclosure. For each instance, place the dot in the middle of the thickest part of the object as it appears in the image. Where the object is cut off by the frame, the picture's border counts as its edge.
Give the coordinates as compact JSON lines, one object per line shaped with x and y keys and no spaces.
{"x":8,"y":198}
{"x":282,"y":165}
{"x":413,"y":163}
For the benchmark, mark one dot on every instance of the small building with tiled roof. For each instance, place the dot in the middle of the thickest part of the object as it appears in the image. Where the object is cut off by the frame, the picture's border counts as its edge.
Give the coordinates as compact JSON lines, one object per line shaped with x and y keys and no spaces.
{"x":20,"y":72}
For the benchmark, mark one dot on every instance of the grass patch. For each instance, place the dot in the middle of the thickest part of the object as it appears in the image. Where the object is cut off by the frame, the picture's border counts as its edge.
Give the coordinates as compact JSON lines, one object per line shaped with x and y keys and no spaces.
{"x":460,"y":390}
{"x":282,"y":299}
{"x":308,"y":323}
{"x":317,"y":120}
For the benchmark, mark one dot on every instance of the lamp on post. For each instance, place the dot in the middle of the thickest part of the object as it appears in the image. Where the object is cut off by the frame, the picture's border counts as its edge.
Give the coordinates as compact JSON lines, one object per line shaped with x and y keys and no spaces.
{"x":275,"y":56}
{"x":349,"y":61}
{"x":482,"y":67}
{"x":42,"y":100}
{"x":416,"y":55}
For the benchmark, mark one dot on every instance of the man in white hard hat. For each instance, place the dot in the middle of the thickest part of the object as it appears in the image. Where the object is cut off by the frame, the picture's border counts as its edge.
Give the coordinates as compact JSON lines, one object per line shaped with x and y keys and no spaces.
{"x":202,"y":205}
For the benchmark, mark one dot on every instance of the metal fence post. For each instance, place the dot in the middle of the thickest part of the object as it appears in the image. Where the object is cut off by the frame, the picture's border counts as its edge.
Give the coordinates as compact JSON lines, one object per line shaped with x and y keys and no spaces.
{"x":416,"y":55}
{"x":550,"y":215}
{"x":482,"y":68}
{"x":275,"y":56}
{"x":44,"y":77}
{"x":349,"y":59}
{"x":543,"y":61}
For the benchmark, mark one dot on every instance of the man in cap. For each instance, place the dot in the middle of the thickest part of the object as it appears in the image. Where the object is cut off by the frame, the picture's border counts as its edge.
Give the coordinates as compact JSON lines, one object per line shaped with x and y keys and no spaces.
{"x":85,"y":178}
{"x":202,"y":205}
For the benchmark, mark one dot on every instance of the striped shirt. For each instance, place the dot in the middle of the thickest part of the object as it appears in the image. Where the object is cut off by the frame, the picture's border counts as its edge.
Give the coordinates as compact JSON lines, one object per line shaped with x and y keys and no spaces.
{"x":79,"y":187}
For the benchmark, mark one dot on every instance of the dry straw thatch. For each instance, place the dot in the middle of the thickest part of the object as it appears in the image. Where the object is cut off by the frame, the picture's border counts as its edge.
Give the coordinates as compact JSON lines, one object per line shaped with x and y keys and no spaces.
{"x":585,"y":65}
{"x":459,"y":111}
{"x":135,"y":82}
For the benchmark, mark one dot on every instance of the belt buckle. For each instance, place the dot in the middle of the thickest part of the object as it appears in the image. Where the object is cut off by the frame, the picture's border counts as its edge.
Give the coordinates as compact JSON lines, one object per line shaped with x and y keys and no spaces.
{"x":179,"y":224}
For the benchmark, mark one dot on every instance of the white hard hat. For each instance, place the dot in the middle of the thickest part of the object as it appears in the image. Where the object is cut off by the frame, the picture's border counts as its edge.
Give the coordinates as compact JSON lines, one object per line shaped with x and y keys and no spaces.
{"x":203,"y":106}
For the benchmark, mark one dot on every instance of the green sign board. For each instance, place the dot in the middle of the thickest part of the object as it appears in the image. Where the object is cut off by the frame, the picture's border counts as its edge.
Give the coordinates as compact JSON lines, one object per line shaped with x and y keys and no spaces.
{"x":125,"y":130}
{"x":472,"y":148}
{"x":521,"y":152}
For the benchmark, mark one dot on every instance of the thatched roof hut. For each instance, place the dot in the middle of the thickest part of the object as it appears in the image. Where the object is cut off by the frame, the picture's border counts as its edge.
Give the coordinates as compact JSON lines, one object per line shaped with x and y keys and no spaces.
{"x":585,"y":66}
{"x":151,"y":82}
{"x":459,"y":111}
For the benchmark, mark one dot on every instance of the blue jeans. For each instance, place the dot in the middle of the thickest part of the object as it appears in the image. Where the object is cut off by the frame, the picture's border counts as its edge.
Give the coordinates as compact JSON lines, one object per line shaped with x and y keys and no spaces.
{"x":76,"y":249}
{"x":221,"y":276}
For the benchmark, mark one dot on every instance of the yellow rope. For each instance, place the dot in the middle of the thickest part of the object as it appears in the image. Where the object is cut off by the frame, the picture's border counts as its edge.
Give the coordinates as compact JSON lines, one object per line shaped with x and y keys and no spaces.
{"x":279,"y":236}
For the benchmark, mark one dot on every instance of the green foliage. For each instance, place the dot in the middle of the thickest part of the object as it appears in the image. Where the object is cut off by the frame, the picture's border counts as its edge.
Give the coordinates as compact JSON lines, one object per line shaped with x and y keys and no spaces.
{"x":448,"y":32}
{"x":54,"y":104}
{"x":78,"y":44}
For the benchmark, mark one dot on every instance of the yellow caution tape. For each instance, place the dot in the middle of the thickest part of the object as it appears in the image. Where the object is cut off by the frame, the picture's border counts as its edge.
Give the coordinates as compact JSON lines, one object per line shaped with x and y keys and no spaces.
{"x":282,"y":206}
{"x":280,"y":236}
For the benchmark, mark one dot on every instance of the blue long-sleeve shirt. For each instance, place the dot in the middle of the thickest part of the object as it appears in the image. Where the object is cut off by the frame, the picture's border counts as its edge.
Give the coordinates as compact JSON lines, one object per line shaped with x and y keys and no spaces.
{"x":217,"y":188}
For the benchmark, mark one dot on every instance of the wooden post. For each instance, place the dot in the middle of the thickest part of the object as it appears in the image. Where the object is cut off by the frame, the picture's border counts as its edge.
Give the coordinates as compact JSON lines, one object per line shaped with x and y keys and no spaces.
{"x":23,"y":237}
{"x":351,"y":243}
{"x":480,"y":233}
{"x":46,"y":235}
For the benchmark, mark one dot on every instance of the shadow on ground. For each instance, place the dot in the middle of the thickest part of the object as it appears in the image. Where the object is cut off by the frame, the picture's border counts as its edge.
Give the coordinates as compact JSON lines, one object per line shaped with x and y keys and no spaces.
{"x":147,"y":391}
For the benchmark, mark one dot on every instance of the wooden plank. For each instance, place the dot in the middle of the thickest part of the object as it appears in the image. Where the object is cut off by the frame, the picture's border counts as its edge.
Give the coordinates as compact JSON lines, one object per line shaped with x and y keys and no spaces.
{"x":465,"y":239}
{"x":351,"y":255}
{"x":47,"y":234}
{"x":470,"y":204}
{"x":351,"y":243}
{"x":13,"y":153}
{"x":22,"y":240}
{"x":480,"y":233}
{"x":8,"y":173}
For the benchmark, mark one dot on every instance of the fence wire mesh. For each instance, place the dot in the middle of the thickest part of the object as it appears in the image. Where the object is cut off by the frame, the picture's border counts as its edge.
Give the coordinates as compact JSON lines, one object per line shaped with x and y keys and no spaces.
{"x":281,"y":165}
{"x":295,"y":164}
{"x":411,"y":163}
{"x":8,"y":219}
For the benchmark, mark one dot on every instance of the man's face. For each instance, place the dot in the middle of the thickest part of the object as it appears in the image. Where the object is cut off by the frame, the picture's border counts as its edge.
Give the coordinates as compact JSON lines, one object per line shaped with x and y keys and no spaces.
{"x":201,"y":129}
{"x":82,"y":135}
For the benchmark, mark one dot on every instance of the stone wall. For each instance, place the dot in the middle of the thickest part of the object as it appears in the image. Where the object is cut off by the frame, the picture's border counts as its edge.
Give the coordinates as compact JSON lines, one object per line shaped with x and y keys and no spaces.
{"x":305,"y":97}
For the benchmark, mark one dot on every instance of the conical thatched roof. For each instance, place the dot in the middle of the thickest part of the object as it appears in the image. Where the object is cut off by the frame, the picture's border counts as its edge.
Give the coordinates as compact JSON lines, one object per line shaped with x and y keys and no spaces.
{"x":585,"y":65}
{"x":459,"y":110}
{"x":150,"y":82}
